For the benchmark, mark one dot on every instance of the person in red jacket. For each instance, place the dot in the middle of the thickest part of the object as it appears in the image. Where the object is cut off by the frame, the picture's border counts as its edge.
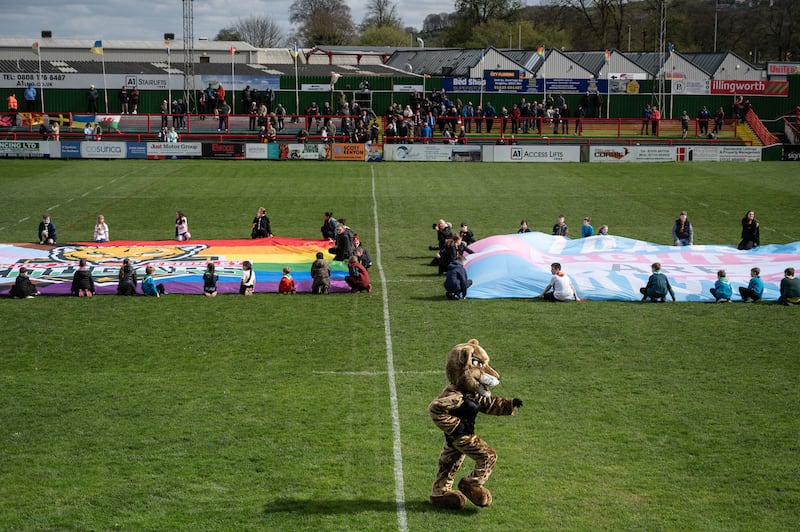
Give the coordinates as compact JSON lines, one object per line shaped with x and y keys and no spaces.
{"x":358,"y":278}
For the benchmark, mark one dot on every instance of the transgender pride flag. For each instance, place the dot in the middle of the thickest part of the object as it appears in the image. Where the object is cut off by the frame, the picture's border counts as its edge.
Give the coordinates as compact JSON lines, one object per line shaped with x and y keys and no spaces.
{"x":614,"y":268}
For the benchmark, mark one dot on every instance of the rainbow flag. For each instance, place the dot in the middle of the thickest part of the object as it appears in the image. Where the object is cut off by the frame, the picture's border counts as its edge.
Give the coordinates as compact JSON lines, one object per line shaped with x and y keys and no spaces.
{"x":179,"y":265}
{"x":540,"y":51}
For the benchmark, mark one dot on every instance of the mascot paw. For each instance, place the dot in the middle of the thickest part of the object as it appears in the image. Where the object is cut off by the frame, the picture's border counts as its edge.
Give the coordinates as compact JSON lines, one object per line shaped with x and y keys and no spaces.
{"x":452,"y":500}
{"x":478,"y":495}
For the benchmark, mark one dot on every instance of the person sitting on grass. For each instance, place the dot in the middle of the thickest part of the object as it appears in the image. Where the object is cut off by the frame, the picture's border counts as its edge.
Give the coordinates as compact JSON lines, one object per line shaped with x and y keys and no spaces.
{"x":790,"y":288}
{"x":560,"y":288}
{"x":23,"y":287}
{"x":210,"y":279}
{"x":149,"y":286}
{"x":286,"y":285}
{"x":722,"y":290}
{"x":755,"y":288}
{"x":657,"y":286}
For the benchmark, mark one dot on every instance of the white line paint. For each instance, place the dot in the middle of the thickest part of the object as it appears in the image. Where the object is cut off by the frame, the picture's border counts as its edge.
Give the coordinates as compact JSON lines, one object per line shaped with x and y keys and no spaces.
{"x":24,"y":219}
{"x":54,"y":207}
{"x":375,"y":373}
{"x":85,"y":194}
{"x":2,"y":228}
{"x":397,"y":449}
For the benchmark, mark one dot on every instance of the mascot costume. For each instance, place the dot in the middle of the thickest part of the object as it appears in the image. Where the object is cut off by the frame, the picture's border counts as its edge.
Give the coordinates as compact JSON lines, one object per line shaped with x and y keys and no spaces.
{"x":454,"y":411}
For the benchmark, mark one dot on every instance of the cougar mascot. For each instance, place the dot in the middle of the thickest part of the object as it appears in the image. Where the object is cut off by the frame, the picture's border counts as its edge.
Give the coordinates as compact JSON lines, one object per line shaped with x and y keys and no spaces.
{"x":454,"y":411}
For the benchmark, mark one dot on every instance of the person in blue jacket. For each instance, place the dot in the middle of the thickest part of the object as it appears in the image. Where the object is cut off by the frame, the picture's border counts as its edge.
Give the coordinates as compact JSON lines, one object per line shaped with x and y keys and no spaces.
{"x":722,"y":290}
{"x":456,"y":282}
{"x":30,"y":98}
{"x":149,"y":286}
{"x":755,"y":288}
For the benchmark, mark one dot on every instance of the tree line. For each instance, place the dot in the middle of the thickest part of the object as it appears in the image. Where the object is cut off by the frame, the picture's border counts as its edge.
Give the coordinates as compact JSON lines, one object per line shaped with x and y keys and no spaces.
{"x":757,"y":30}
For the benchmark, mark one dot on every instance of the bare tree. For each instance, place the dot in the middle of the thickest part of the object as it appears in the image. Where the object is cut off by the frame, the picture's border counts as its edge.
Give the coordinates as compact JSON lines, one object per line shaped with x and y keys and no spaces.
{"x":380,"y":14}
{"x":323,"y":22}
{"x":605,"y":19}
{"x":261,"y":32}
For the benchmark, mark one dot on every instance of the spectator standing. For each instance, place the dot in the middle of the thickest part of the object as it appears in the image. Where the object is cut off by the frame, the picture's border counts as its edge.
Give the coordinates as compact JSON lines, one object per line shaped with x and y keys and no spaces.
{"x":224,"y":113}
{"x":91,"y":99}
{"x":655,"y":119}
{"x":164,"y":113}
{"x":124,"y":98}
{"x":684,"y":124}
{"x":703,"y":116}
{"x":134,"y":101}
{"x":647,"y":115}
{"x":719,"y":121}
{"x":30,"y":98}
{"x":13,"y":107}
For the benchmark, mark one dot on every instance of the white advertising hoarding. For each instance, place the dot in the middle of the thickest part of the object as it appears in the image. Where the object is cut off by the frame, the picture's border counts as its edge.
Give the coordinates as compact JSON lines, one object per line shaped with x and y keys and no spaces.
{"x":532,"y":154}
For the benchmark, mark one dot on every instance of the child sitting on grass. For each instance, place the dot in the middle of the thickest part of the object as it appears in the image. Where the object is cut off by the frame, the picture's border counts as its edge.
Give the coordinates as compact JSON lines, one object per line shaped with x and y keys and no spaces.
{"x":149,"y":286}
{"x":286,"y":286}
{"x":722,"y":291}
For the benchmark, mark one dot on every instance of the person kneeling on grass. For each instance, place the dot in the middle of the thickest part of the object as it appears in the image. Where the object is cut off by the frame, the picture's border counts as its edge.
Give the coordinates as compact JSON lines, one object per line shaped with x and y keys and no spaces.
{"x":456,"y":282}
{"x":657,"y":286}
{"x":755,"y":288}
{"x":82,"y":282}
{"x":560,"y":288}
{"x":23,"y":287}
{"x":149,"y":287}
{"x":358,"y":280}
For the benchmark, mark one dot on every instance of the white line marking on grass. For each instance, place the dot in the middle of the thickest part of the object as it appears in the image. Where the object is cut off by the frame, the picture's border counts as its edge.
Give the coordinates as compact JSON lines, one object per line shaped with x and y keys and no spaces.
{"x":397,"y":450}
{"x":24,"y":219}
{"x":2,"y":228}
{"x":375,"y":373}
{"x":724,"y":212}
{"x":99,"y":187}
{"x":70,"y":200}
{"x":54,"y":207}
{"x":703,"y":204}
{"x":85,"y":194}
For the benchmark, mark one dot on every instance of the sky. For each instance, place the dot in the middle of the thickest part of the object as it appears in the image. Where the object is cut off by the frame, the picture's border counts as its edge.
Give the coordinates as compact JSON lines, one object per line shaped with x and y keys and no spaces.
{"x":151,"y":19}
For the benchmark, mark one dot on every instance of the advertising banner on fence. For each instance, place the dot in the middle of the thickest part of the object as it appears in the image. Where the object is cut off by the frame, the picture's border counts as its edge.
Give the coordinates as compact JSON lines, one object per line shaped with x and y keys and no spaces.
{"x":160,"y":150}
{"x":791,"y":153}
{"x":26,"y":148}
{"x":349,"y":152}
{"x":631,"y":154}
{"x":717,"y":153}
{"x":430,"y":152}
{"x":313,"y":152}
{"x":686,"y":86}
{"x":532,"y":154}
{"x":750,"y":88}
{"x":104,"y":150}
{"x":261,"y":151}
{"x":223,"y":150}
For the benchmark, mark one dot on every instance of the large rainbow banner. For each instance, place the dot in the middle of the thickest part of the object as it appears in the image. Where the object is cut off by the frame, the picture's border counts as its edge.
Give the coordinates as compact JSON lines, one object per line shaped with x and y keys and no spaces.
{"x":614,"y":268}
{"x":178,"y":265}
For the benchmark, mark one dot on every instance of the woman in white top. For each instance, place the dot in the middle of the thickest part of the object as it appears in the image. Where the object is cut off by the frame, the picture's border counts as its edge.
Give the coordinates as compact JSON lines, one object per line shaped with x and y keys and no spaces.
{"x":101,"y":230}
{"x":248,"y":285}
{"x":181,"y":227}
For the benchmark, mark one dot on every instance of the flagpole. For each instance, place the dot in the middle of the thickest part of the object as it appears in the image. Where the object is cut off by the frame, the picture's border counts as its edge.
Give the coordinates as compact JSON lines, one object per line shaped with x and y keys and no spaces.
{"x":169,"y":80}
{"x":41,"y":83}
{"x":233,"y":84}
{"x":296,"y":85}
{"x":544,"y":78}
{"x":105,"y":85}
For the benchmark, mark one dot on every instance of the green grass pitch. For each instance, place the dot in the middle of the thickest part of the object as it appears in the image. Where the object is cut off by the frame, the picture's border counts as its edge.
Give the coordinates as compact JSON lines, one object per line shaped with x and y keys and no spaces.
{"x":278,"y":413}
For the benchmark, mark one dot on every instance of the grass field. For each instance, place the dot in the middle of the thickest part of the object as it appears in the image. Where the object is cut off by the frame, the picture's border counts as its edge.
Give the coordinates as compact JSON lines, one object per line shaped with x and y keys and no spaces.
{"x":309,"y":413}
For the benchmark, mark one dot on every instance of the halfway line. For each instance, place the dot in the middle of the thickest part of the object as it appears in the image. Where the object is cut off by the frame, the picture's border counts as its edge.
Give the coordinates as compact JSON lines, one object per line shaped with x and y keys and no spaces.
{"x":397,"y":450}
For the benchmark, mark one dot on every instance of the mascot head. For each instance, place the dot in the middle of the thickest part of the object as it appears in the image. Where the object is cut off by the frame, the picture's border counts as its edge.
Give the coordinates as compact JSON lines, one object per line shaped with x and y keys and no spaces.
{"x":468,"y":369}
